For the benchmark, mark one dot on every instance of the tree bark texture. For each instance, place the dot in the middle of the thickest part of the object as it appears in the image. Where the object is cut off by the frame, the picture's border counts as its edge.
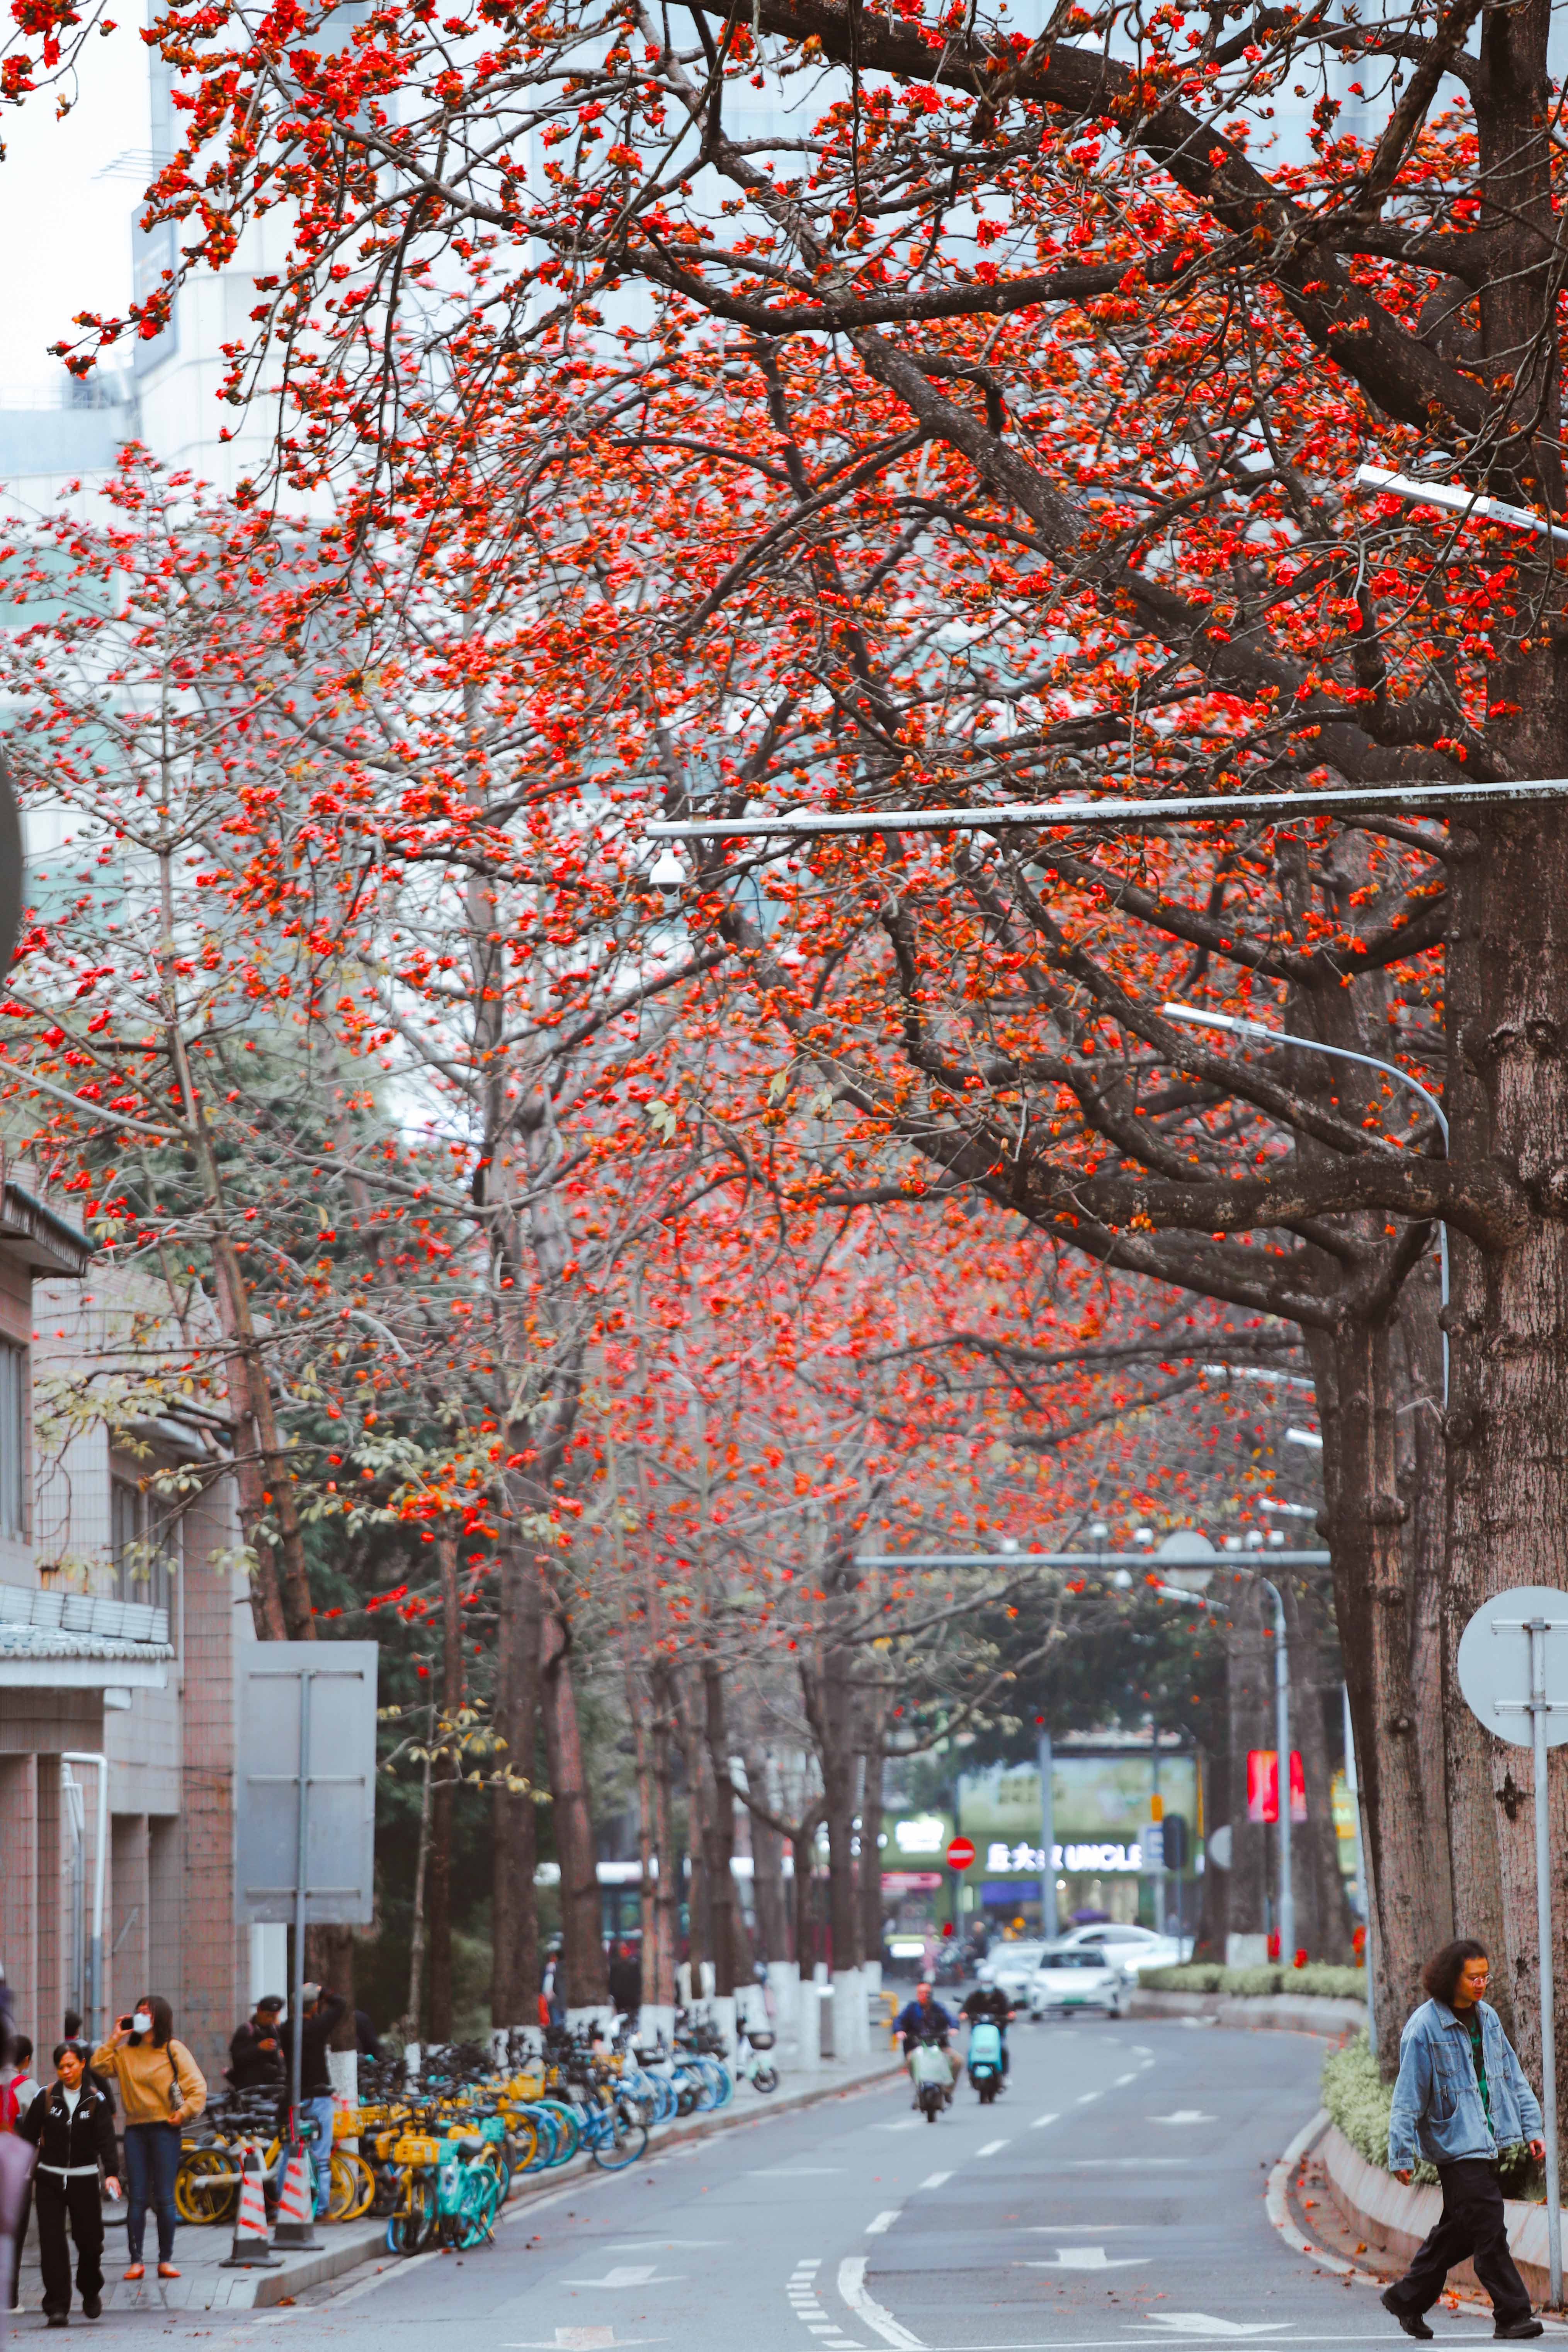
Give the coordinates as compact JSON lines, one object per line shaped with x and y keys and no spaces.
{"x":718,"y":1829}
{"x":583,"y":1948}
{"x":1323,"y":1913}
{"x":514,"y":1826}
{"x":767,"y":1873}
{"x":870,"y":1871}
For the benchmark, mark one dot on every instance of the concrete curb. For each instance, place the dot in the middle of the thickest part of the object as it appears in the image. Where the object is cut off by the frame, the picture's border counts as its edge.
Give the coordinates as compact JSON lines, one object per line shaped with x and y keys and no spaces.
{"x":369,"y":2239}
{"x":1386,"y":2214}
{"x":1295,"y":2012}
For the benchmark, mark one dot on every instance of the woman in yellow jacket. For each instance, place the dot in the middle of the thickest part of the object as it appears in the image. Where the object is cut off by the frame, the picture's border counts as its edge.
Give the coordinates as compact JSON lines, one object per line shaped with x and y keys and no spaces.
{"x":161,"y":2087}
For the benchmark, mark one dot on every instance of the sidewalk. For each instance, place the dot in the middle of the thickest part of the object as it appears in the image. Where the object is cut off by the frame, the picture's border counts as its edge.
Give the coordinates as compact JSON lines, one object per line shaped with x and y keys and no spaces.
{"x":204,"y":2286}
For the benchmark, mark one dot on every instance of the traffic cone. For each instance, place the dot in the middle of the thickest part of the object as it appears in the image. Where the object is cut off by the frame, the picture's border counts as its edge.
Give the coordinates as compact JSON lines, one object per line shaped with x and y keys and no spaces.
{"x":296,"y":2202}
{"x":252,"y":2241}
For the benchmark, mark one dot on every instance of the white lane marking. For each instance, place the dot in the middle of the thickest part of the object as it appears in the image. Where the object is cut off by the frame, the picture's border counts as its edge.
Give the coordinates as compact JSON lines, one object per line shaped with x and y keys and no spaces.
{"x":852,"y":2287}
{"x":935,"y":2180}
{"x":908,"y":2123}
{"x":1122,"y":2080}
{"x":1184,"y":2115}
{"x":796,"y":2171}
{"x":1085,"y":2097}
{"x":630,"y":2274}
{"x":993,"y":2147}
{"x":1199,"y":2322}
{"x":1084,"y":2258}
{"x":1041,"y":2121}
{"x":1141,"y":2050}
{"x":883,"y":2222}
{"x":659,"y":2245}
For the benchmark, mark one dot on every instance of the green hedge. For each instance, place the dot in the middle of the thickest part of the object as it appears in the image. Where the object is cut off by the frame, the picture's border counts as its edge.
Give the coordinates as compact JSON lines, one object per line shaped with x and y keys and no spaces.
{"x":1358,"y":2100}
{"x":1206,"y":1976}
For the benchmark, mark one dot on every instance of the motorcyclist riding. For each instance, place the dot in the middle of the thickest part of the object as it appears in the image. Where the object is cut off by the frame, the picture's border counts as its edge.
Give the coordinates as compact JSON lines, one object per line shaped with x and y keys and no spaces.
{"x":924,"y":2020}
{"x":991,"y":2003}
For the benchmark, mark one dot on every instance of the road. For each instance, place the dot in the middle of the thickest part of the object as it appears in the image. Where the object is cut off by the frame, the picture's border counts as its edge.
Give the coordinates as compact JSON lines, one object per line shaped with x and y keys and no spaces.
{"x":1114,"y":2197}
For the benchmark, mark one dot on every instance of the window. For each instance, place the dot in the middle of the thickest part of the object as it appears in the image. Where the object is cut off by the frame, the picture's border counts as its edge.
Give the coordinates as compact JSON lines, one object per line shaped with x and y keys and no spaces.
{"x":145,"y":1536}
{"x":13,"y":1442}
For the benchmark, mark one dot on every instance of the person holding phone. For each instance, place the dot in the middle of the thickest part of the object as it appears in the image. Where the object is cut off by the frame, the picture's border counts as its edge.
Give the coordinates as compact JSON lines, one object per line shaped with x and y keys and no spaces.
{"x":161,"y":2087}
{"x":72,"y":2128}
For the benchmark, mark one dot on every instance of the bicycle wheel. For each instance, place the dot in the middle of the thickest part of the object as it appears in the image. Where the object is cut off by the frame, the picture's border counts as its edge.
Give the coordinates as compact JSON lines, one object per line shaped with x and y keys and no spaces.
{"x":207,"y":2185}
{"x":350,"y":2188}
{"x":620,"y":2137}
{"x":569,"y":2131}
{"x":480,"y":2203}
{"x":412,"y":2216}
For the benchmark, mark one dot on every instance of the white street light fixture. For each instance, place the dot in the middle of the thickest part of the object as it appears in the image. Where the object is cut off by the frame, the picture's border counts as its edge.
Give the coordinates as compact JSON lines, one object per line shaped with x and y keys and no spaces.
{"x":1197,"y":1017}
{"x":1456,"y":501}
{"x":799,"y":823}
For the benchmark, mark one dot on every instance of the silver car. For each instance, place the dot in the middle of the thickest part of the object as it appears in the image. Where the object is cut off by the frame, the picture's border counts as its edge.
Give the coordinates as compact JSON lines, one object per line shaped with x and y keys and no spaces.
{"x":1070,"y":1979}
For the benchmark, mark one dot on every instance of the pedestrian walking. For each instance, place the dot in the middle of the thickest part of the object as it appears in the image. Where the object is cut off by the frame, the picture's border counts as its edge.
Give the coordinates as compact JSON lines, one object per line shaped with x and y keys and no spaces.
{"x":323,"y":2010}
{"x":255,"y":2050}
{"x":72,"y":2128}
{"x":1460,"y":2097}
{"x":18,"y":2088}
{"x":161,"y":2087}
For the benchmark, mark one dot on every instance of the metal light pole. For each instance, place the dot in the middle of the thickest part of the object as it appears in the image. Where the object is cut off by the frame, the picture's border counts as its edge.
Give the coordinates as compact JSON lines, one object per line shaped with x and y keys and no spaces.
{"x":1047,"y":1843}
{"x":1282,"y":1775}
{"x":1197,"y":1017}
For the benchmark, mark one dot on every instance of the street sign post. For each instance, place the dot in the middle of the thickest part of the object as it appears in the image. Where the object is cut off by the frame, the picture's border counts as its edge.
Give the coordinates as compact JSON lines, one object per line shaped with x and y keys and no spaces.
{"x":305,"y":1799}
{"x":1512,"y":1664}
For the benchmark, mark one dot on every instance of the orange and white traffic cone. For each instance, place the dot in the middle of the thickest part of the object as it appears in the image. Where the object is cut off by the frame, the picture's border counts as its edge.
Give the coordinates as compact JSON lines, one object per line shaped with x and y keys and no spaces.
{"x":251,"y":2249}
{"x":296,"y":2202}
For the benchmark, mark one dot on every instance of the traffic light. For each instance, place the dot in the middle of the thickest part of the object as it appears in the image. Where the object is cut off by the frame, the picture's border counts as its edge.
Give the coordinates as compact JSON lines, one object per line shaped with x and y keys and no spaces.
{"x":1177,"y":1842}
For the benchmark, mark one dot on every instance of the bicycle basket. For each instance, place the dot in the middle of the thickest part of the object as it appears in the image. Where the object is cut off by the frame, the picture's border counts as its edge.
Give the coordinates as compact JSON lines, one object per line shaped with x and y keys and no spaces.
{"x":413,"y":2149}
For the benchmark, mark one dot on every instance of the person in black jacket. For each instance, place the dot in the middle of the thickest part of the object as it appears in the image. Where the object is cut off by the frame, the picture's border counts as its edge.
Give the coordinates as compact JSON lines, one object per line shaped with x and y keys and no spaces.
{"x":322,"y":2011}
{"x":71,"y":2126}
{"x":256,"y":2053}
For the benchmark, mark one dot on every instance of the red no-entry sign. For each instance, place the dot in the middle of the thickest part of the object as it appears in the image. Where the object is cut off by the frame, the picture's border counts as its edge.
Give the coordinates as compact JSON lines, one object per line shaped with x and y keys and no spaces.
{"x":961,"y":1853}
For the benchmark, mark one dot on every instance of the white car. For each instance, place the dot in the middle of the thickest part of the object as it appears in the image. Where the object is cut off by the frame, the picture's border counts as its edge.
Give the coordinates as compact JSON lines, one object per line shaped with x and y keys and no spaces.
{"x":1128,"y":1947}
{"x":1011,"y":1968}
{"x":1071,"y":1978}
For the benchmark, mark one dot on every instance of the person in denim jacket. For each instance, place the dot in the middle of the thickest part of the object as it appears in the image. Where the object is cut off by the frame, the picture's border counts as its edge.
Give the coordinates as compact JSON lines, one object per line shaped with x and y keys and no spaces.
{"x":1460,"y":2098}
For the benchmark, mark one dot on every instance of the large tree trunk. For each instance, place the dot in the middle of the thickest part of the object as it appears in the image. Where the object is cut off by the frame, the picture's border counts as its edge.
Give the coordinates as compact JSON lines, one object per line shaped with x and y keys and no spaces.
{"x":449,"y":1769}
{"x":1417,"y":1360}
{"x":1507,"y":1462}
{"x":831,"y":1710}
{"x":803,"y":1856}
{"x":514,"y":1828}
{"x":699,"y":1891}
{"x":661,"y":1949}
{"x":767,"y":1871}
{"x":718,"y":1831}
{"x":582,"y":1946}
{"x":870,"y":1874}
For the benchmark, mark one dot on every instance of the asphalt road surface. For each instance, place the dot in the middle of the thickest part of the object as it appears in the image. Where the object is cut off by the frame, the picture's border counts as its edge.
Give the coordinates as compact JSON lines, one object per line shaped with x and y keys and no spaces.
{"x":1112,"y":2199}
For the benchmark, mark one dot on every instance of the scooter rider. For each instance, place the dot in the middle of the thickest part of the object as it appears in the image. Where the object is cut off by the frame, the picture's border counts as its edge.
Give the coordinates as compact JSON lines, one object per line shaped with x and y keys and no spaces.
{"x":925,"y":2020}
{"x":991,"y":2003}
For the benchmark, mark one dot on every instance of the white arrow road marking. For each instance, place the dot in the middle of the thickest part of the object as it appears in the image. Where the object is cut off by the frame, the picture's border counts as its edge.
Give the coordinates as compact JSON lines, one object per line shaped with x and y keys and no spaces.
{"x":883,"y":2222}
{"x":631,"y":2274}
{"x":1084,"y":2258}
{"x":1041,"y":2121}
{"x":852,"y":2287}
{"x":1199,"y":2322}
{"x":1184,"y":2115}
{"x":584,"y":2339}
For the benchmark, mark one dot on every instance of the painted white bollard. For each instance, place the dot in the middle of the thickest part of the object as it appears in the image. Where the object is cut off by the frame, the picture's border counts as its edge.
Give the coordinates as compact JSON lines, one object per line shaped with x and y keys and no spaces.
{"x":725,"y":2012}
{"x":683,"y":1984}
{"x":872,"y":1972}
{"x":850,"y":2040}
{"x":342,"y":2074}
{"x":783,"y":1983}
{"x":708,"y":1979}
{"x":827,"y":2041}
{"x":808,"y":2034}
